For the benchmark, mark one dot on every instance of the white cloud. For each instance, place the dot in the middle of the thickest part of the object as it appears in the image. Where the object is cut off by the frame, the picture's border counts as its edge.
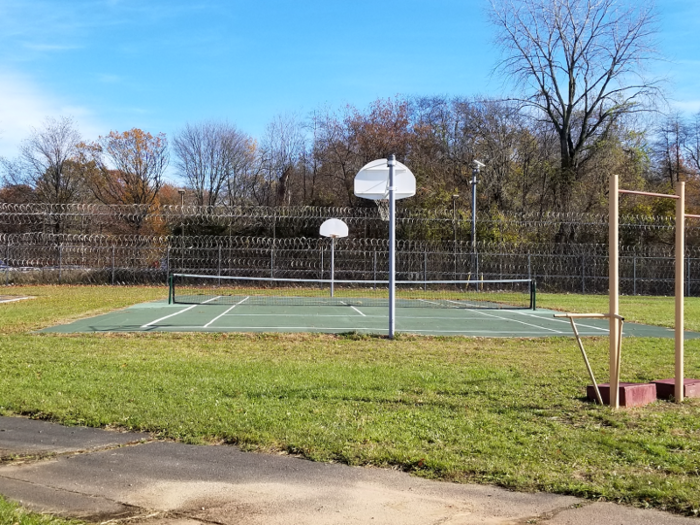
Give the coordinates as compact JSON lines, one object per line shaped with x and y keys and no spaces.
{"x":24,"y":106}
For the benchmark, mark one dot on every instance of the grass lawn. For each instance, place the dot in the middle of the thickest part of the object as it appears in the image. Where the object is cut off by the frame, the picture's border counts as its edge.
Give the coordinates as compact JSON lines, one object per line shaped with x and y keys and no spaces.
{"x":658,"y":311}
{"x":13,"y":514}
{"x":507,"y":412}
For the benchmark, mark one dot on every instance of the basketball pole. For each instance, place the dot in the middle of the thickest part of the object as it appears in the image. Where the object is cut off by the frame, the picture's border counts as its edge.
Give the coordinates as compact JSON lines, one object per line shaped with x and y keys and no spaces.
{"x":392,"y":256}
{"x":614,"y":294}
{"x":680,"y":278}
{"x":332,"y":264}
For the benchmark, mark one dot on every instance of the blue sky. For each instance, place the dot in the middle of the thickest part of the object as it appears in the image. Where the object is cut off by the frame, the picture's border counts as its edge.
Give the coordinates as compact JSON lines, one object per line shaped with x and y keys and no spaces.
{"x":158,"y":64}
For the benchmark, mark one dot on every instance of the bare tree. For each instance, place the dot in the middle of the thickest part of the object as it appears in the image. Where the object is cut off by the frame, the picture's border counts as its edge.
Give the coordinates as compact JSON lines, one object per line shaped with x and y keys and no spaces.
{"x":692,"y":146}
{"x":214,"y":157}
{"x":669,"y":148}
{"x":335,"y":158}
{"x":47,"y":163}
{"x":282,"y":148}
{"x":580,"y":63}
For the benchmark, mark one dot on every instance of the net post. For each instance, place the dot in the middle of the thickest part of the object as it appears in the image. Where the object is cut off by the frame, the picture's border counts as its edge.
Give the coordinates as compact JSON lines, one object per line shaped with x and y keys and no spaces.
{"x":533,"y":294}
{"x":680,"y":267}
{"x":171,"y":289}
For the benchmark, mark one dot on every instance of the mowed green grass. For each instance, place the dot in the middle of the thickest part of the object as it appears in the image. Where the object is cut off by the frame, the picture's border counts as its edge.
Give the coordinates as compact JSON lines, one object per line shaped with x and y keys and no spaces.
{"x":13,"y":514}
{"x":657,"y":311}
{"x":506,"y":412}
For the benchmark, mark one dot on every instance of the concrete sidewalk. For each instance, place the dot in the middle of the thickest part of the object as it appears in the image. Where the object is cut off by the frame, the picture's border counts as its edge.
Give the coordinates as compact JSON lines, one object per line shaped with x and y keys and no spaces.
{"x":99,"y":475}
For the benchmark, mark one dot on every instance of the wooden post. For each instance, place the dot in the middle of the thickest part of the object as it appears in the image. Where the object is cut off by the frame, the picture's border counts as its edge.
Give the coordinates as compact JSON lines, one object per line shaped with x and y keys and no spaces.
{"x":613,"y":291}
{"x":680,"y":267}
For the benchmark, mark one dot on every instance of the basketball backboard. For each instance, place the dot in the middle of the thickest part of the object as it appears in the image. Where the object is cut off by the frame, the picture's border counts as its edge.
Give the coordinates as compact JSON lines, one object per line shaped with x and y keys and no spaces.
{"x":372,"y":181}
{"x":334,"y":228}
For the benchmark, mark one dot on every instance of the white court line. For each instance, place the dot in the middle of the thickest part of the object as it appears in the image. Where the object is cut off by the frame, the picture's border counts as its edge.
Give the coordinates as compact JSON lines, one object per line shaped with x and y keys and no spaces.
{"x":305,"y":316}
{"x":15,"y":299}
{"x":403,"y":317}
{"x":429,"y":302}
{"x":484,"y":333}
{"x":178,"y":313}
{"x":168,"y":316}
{"x":363,"y":315}
{"x":562,"y":321}
{"x":540,"y":327}
{"x":227,"y":311}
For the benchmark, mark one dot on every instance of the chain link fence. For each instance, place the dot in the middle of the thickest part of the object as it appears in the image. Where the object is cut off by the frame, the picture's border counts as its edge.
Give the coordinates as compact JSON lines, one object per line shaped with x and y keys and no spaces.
{"x":576,"y":268}
{"x":91,"y":244}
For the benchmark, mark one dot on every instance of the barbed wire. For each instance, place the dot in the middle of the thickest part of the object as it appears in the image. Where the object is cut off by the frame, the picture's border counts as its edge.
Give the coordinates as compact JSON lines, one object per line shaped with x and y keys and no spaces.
{"x":177,"y":212}
{"x":98,"y":244}
{"x":103,"y":259}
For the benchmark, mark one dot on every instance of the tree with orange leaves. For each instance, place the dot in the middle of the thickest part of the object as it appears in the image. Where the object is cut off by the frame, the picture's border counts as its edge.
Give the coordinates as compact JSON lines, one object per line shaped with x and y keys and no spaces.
{"x":128,"y":166}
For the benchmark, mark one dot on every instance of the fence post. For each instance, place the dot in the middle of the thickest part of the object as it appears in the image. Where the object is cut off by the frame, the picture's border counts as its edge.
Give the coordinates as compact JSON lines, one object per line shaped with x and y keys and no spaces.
{"x":687,"y":277}
{"x":272,"y":258}
{"x":60,"y":261}
{"x":7,"y":263}
{"x":219,"y":271}
{"x":374,"y":269}
{"x":634,"y":274}
{"x":113,"y":257}
{"x":529,"y":266}
{"x":455,"y":264}
{"x":167,"y":264}
{"x":425,"y":270}
{"x":583,"y":274}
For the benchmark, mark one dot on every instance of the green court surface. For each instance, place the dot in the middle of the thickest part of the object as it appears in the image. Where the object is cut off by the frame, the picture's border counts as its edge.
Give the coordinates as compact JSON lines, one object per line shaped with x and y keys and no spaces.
{"x":163,"y":317}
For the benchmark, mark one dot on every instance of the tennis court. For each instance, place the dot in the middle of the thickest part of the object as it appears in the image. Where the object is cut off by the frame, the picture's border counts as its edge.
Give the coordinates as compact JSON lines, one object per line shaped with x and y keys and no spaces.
{"x":201,"y":303}
{"x":477,"y":322}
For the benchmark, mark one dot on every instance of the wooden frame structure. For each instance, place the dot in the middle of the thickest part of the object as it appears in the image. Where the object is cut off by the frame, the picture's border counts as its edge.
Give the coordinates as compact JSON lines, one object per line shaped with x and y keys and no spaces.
{"x":614,"y":286}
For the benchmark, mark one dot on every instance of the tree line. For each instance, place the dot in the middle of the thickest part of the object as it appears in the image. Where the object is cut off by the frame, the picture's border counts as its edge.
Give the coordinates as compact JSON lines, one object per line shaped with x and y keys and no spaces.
{"x":581,"y":109}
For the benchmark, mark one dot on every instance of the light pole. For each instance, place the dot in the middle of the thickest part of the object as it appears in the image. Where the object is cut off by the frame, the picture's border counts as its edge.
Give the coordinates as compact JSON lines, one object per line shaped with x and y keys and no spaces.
{"x":454,"y":228}
{"x":476,"y":166}
{"x":454,"y":215}
{"x":182,"y":228}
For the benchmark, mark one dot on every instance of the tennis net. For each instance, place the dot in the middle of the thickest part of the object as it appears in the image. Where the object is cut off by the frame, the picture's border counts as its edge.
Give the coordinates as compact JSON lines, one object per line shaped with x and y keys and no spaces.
{"x":261,"y":291}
